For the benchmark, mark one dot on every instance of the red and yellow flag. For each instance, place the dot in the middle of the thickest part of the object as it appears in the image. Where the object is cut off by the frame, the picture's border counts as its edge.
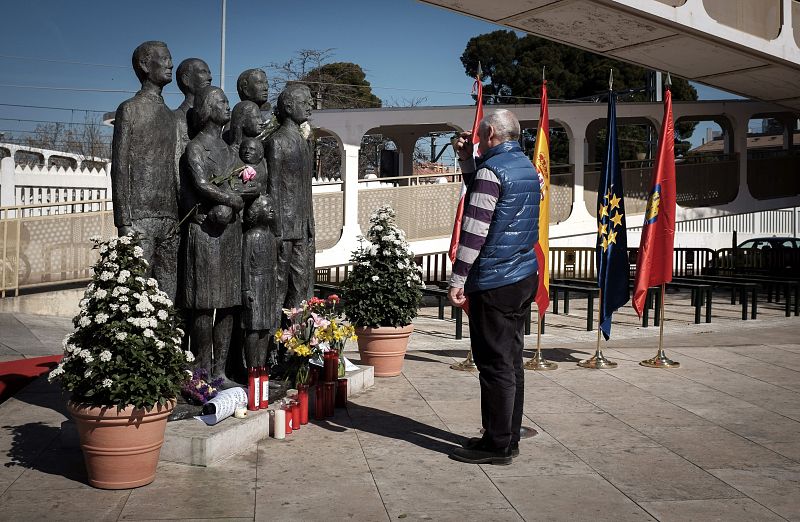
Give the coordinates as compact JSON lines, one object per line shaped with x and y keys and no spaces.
{"x":541,"y":160}
{"x":477,"y":89}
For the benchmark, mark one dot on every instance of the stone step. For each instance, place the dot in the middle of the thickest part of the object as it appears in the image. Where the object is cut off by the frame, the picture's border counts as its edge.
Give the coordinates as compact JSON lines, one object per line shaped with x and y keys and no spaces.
{"x":190,"y":441}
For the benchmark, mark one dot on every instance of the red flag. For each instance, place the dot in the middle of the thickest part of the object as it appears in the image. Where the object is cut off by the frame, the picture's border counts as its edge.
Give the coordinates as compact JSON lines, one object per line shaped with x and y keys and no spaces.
{"x":454,"y":238}
{"x":654,"y":261}
{"x":541,"y":159}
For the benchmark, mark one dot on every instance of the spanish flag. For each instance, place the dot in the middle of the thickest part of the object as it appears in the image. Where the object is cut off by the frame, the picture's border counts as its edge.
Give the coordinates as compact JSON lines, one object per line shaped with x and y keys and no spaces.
{"x":541,"y":160}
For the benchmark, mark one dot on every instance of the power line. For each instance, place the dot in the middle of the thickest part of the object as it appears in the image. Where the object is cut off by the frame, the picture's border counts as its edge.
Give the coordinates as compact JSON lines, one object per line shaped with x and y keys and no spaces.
{"x":70,"y":62}
{"x":58,"y":122}
{"x":75,"y":89}
{"x":50,"y":108}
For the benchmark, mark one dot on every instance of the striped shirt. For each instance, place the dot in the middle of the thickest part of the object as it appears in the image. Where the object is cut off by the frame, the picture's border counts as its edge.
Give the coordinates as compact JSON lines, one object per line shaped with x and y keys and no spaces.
{"x":483,"y":192}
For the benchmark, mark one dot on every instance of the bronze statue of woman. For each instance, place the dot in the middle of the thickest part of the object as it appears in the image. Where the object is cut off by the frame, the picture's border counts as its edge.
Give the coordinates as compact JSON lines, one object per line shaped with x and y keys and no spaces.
{"x":212,"y":279}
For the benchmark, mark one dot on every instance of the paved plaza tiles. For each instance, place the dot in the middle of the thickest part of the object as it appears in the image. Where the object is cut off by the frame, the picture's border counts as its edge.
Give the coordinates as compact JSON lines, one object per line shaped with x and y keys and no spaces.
{"x":717,"y":439}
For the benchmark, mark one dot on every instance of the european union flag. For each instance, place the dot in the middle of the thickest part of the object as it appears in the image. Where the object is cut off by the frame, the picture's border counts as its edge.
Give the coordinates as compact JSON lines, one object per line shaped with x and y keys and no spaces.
{"x":612,"y":240}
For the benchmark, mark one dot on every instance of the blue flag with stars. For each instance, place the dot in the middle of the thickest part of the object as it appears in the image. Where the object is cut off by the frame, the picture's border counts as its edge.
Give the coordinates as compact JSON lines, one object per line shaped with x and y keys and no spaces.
{"x":612,"y":240}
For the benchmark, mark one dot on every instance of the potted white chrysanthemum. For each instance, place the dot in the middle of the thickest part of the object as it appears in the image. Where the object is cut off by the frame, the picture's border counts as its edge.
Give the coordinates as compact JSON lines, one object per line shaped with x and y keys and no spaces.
{"x":124,"y":365}
{"x":382,"y":294}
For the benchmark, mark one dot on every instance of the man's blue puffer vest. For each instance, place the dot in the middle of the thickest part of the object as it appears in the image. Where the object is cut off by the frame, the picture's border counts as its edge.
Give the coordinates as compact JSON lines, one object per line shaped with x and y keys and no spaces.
{"x":507,"y":255}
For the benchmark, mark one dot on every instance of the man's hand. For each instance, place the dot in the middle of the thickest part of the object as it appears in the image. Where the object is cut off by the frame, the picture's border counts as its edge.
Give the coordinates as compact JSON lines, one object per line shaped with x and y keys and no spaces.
{"x":456,"y":296}
{"x":463,"y":145}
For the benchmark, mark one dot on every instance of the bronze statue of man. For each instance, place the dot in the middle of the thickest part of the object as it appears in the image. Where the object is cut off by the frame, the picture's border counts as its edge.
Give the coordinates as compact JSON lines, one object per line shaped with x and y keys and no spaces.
{"x":192,"y":75}
{"x":252,"y":85}
{"x":290,"y":167}
{"x":144,"y":181}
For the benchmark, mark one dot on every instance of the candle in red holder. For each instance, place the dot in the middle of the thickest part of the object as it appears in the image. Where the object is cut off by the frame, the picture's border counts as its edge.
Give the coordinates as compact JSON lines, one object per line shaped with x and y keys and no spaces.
{"x":302,"y":397}
{"x":328,"y":371}
{"x":287,"y":408}
{"x":341,"y":393}
{"x":319,"y":402}
{"x":263,"y":376}
{"x":335,"y":357}
{"x":253,"y":389}
{"x":296,"y":415}
{"x":313,"y":375}
{"x":329,"y":395}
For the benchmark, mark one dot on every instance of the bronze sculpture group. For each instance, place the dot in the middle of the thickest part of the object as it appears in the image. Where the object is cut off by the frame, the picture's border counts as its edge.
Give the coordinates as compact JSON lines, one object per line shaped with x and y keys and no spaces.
{"x":221,"y":199}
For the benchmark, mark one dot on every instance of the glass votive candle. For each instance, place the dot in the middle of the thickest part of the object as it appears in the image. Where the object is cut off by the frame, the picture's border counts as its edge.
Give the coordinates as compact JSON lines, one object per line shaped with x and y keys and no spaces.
{"x":341,"y":393}
{"x":295,"y":405}
{"x":329,"y":395}
{"x":302,"y":396}
{"x":319,"y":402}
{"x":287,"y":409}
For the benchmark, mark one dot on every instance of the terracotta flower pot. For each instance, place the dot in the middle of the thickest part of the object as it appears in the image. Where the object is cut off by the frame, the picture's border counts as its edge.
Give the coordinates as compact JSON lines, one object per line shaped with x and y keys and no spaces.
{"x":384,"y":348}
{"x":120,"y":448}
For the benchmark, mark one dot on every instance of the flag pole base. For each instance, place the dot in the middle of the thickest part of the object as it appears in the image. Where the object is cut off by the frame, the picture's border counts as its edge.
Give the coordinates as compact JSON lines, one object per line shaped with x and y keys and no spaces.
{"x":467,"y":365}
{"x":660,"y":361}
{"x":539,"y":363}
{"x":597,"y":362}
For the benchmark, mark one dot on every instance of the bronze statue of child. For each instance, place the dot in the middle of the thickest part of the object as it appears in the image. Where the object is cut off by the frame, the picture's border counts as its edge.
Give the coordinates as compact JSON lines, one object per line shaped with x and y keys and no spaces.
{"x":244,"y":180}
{"x":260,"y":314}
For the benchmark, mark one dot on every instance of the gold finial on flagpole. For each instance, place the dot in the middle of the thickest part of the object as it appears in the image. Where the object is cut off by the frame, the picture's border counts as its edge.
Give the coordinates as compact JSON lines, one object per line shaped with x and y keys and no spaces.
{"x":611,"y":80}
{"x":668,"y":82}
{"x":543,"y":68}
{"x":479,"y":73}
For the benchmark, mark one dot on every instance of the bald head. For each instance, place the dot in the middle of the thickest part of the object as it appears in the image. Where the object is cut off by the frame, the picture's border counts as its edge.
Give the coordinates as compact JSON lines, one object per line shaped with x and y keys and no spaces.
{"x":192,"y":75}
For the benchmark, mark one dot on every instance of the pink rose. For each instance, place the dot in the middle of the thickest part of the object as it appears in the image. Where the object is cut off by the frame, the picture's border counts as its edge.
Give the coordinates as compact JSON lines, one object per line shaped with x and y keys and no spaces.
{"x":248,"y":174}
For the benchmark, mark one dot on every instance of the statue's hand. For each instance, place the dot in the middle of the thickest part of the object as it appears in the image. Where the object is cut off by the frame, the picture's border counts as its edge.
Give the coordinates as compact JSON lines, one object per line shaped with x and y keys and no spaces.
{"x":124,"y":230}
{"x":237,"y":203}
{"x":249,"y":297}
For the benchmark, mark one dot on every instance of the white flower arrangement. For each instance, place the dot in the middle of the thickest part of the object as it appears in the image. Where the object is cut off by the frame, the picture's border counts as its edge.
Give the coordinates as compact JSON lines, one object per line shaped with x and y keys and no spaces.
{"x":384,"y":287}
{"x":115,"y":357}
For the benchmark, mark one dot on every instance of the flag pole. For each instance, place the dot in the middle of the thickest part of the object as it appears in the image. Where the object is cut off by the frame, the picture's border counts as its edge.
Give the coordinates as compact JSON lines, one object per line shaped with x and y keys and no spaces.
{"x":598,"y":361}
{"x":468,"y":365}
{"x":661,"y":360}
{"x":538,"y":362}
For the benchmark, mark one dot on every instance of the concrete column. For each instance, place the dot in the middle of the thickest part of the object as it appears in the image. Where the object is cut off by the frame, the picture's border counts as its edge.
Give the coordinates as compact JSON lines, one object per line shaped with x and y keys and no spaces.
{"x":577,"y":156}
{"x":350,"y":187}
{"x":8,"y":183}
{"x":405,"y":147}
{"x":739,"y":142}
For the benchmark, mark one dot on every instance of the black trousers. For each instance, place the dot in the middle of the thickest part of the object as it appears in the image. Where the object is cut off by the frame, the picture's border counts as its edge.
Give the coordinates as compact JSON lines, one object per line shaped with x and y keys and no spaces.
{"x":497,"y":330}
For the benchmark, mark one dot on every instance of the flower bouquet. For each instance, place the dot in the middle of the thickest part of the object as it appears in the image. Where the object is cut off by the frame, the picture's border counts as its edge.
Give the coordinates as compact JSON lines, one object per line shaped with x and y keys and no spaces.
{"x":199,"y":390}
{"x":316,"y":327}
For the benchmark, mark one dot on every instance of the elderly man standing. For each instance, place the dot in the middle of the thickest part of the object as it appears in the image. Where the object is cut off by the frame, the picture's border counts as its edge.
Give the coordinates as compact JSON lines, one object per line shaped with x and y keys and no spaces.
{"x":496,"y":269}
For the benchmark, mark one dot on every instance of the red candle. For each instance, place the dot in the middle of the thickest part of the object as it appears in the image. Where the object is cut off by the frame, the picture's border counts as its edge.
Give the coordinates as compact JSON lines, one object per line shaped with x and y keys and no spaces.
{"x":253,"y":389}
{"x":288,"y":410}
{"x":319,"y":402}
{"x":331,"y":367}
{"x":296,"y":415}
{"x":341,"y":393}
{"x":329,"y":395}
{"x":302,"y":397}
{"x":313,"y":375}
{"x":263,"y":375}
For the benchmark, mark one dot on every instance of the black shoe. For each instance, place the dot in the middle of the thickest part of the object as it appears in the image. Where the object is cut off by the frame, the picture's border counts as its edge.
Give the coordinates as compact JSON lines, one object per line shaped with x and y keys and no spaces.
{"x":474,"y":442}
{"x":482,"y":455}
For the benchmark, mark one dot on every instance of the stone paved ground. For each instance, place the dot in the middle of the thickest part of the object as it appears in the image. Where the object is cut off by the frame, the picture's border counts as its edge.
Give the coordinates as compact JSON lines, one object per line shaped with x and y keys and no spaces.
{"x":718,"y":439}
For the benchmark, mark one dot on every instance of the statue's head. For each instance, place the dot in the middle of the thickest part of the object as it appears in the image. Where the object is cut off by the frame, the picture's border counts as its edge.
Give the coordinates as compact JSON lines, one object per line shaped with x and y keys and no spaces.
{"x":251,"y":151}
{"x":192,"y":75}
{"x":252,"y":86}
{"x":152,"y":61}
{"x":246,"y":116}
{"x":260,"y":212}
{"x":295,"y":103}
{"x":211,"y":105}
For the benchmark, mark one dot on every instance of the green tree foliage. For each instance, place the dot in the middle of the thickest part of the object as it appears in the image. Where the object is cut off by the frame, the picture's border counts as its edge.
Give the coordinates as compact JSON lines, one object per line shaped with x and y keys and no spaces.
{"x":512,"y":66}
{"x":341,"y":85}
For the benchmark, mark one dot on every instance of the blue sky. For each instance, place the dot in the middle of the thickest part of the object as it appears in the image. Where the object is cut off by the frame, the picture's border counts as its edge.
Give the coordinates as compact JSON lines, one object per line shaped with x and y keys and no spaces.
{"x":408,"y":49}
